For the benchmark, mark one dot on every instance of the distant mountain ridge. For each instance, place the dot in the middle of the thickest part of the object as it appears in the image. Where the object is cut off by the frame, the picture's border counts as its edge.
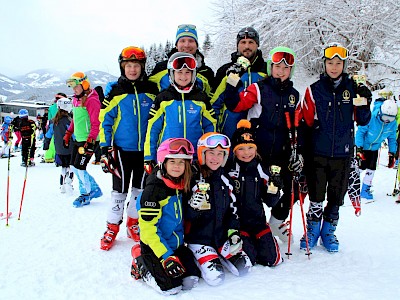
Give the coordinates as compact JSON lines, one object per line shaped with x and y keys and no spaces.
{"x":41,"y":85}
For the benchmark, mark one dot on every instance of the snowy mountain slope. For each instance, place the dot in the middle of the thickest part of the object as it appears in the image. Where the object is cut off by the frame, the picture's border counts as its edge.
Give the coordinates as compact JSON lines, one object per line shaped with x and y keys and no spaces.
{"x":53,"y":251}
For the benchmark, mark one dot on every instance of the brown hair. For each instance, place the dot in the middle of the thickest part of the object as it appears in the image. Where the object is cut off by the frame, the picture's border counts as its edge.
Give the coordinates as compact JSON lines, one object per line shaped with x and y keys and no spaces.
{"x":59,"y":115}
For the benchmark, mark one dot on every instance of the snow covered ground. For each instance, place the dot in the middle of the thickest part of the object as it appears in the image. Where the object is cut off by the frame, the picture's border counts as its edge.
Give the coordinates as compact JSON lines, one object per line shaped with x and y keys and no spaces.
{"x":53,"y":251}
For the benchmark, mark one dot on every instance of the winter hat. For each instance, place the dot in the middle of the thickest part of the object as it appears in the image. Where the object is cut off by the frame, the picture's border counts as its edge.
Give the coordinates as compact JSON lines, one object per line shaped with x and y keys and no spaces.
{"x":243,"y":135}
{"x":248,"y":33}
{"x":7,"y":119}
{"x":186,"y":30}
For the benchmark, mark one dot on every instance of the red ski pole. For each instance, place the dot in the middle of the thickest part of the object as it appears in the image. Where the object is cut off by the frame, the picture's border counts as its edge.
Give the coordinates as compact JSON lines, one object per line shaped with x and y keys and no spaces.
{"x":26,"y":175}
{"x":289,"y":125}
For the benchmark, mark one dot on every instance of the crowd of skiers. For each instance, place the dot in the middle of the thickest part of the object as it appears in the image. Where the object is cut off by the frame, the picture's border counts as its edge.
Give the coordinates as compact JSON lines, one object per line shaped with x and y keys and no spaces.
{"x":202,"y":157}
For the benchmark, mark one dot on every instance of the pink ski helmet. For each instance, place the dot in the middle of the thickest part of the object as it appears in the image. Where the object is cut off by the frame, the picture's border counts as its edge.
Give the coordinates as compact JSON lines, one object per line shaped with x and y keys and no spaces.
{"x":175,"y":148}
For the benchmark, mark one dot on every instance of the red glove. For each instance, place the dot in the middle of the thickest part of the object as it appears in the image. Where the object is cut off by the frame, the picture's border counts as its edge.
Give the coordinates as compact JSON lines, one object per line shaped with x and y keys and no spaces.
{"x":67,"y":138}
{"x":173,"y":266}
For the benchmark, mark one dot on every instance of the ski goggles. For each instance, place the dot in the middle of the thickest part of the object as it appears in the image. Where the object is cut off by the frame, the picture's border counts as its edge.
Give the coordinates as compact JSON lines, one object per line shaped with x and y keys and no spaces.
{"x":338,"y":51}
{"x":286,"y":57}
{"x":178,"y":145}
{"x":130,"y":53}
{"x":246,"y":34}
{"x":387,"y":118}
{"x":185,"y":61}
{"x":187,"y":27}
{"x":216,"y":140}
{"x":74,"y":81}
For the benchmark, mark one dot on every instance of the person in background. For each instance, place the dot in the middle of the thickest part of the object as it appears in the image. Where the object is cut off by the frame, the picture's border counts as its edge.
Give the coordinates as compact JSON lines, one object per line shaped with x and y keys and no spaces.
{"x":28,"y":135}
{"x":85,"y":127}
{"x":49,"y":155}
{"x":254,"y":186}
{"x":211,"y":214}
{"x":57,"y":129}
{"x":6,"y":137}
{"x":123,"y":116}
{"x":186,"y":41}
{"x":16,"y":123}
{"x":369,"y":139}
{"x":250,"y":66}
{"x":162,"y":259}
{"x":182,"y":110}
{"x":329,"y":108}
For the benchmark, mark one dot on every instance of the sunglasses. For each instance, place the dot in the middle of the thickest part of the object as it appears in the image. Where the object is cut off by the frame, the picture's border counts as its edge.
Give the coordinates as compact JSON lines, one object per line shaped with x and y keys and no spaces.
{"x":387,"y":118}
{"x":247,"y":34}
{"x":287,"y":58}
{"x":185,"y":61}
{"x":338,"y":51}
{"x":178,"y":145}
{"x":74,"y":81}
{"x":217,"y":139}
{"x":187,"y":26}
{"x":131,"y":52}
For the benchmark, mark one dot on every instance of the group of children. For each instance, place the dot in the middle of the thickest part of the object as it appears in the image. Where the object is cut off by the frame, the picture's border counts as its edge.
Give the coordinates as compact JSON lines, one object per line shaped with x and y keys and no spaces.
{"x":200,"y":207}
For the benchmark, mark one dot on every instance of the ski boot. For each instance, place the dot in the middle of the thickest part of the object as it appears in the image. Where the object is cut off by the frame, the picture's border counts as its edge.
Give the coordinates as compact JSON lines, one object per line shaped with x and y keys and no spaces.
{"x":132,"y":229}
{"x":280,"y":229}
{"x":366,"y":192}
{"x":96,"y":193}
{"x":313,"y":232}
{"x":328,"y":237}
{"x":23,"y":164}
{"x":135,"y":268}
{"x":82,"y":200}
{"x":109,"y":236}
{"x":31,"y":162}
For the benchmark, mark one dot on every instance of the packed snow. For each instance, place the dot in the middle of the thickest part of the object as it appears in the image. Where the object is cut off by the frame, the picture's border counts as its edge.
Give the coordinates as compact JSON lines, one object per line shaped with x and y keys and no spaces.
{"x":53,"y":251}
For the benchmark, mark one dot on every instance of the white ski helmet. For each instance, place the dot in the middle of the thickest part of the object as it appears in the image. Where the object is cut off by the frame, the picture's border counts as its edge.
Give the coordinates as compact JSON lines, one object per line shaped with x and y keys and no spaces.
{"x":176,"y":62}
{"x":65,"y":104}
{"x":388,"y":111}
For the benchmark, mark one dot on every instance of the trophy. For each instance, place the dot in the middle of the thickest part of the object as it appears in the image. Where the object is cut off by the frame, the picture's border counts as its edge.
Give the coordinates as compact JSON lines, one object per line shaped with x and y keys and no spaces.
{"x":272,"y":189}
{"x":203,"y":188}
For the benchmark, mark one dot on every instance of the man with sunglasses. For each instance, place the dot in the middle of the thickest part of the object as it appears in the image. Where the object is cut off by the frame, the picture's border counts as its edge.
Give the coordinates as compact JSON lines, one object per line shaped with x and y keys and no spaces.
{"x":186,"y":41}
{"x":329,"y":108}
{"x":247,"y":41}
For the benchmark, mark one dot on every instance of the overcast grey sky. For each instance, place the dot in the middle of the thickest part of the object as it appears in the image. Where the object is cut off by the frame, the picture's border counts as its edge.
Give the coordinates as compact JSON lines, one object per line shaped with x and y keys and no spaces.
{"x":88,"y":34}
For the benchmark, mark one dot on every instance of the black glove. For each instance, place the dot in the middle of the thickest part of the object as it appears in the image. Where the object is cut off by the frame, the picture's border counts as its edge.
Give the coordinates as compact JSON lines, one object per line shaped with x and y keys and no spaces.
{"x":276,"y":180}
{"x":89,"y":146}
{"x":149,"y":165}
{"x":296,"y":163}
{"x":235,"y":68}
{"x":360,"y":155}
{"x":173,"y":266}
{"x":363,"y":91}
{"x":107,"y":161}
{"x":391,"y":160}
{"x":46,"y":143}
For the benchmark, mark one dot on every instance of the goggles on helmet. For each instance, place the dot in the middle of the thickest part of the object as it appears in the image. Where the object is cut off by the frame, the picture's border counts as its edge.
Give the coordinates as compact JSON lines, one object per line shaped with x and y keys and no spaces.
{"x":387,"y":118}
{"x":214,"y":140}
{"x":187,"y":26}
{"x":338,"y":51}
{"x":182,"y":62}
{"x":74,"y":81}
{"x":178,"y":145}
{"x":286,"y":57}
{"x":131,"y":53}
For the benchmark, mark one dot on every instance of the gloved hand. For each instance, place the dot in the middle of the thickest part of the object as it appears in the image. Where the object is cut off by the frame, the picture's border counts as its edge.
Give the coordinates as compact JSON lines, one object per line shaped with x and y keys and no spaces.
{"x":276,"y":180}
{"x":296,"y":163}
{"x":173,"y":266}
{"x":360,"y":155}
{"x":363,"y":91}
{"x":235,"y":241}
{"x":149,"y":165}
{"x":89,"y":146}
{"x":105,"y":163}
{"x":67,"y":138}
{"x":198,"y":199}
{"x":46,"y":143}
{"x":391,"y":160}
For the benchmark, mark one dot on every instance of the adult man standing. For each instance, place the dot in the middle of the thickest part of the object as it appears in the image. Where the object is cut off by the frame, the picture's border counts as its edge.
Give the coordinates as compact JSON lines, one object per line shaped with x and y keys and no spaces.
{"x":252,"y":70}
{"x":186,"y":41}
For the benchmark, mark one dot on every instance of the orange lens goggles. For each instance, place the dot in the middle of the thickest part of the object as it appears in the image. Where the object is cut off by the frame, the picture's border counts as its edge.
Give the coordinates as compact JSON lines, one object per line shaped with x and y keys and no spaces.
{"x":338,"y":51}
{"x":287,"y":58}
{"x":130,"y":53}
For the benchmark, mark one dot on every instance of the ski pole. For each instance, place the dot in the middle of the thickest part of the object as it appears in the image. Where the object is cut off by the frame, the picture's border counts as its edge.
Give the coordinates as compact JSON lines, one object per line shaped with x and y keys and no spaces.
{"x":8,"y":183}
{"x":26,"y":175}
{"x":308,"y":253}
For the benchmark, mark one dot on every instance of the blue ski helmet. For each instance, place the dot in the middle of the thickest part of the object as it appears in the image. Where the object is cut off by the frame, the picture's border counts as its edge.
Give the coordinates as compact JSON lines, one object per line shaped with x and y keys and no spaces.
{"x":23,"y":113}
